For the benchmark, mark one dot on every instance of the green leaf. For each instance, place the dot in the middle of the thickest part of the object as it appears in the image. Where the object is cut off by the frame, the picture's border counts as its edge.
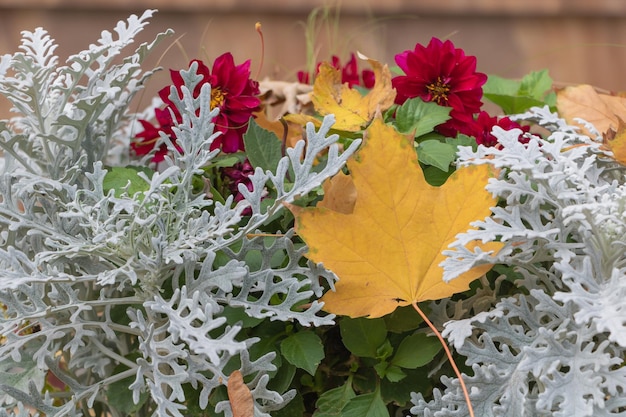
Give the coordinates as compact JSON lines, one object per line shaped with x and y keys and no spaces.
{"x":419,"y":117}
{"x":513,"y":104}
{"x":227,"y":160}
{"x":437,"y":154}
{"x":416,"y":350}
{"x":237,"y":314}
{"x":403,"y":319}
{"x":501,"y":86}
{"x":462,"y":140}
{"x":518,"y":96}
{"x":385,"y":350}
{"x":366,"y":405}
{"x":282,"y":379}
{"x":436,"y":177}
{"x":416,"y":380}
{"x":535,"y":84}
{"x":118,"y":178}
{"x":304,"y":350}
{"x":120,"y":397}
{"x":295,"y":407}
{"x":363,"y":336}
{"x":262,"y":147}
{"x":331,"y":402}
{"x":392,"y":372}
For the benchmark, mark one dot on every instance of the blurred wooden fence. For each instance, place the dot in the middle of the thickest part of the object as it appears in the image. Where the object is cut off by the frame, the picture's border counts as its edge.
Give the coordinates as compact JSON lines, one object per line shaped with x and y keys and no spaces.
{"x":579,"y":41}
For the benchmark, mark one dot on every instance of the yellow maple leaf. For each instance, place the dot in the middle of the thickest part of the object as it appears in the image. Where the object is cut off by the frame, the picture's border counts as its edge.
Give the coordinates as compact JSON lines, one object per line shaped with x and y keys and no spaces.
{"x":353,"y":111}
{"x":585,"y":102}
{"x":386,"y":251}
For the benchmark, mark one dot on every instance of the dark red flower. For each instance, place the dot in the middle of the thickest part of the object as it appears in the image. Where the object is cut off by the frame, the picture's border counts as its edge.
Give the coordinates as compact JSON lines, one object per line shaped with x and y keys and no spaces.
{"x":441,"y":73}
{"x":235,"y":175}
{"x":481,"y":128}
{"x":349,"y":73}
{"x":232,"y":91}
{"x":145,"y":141}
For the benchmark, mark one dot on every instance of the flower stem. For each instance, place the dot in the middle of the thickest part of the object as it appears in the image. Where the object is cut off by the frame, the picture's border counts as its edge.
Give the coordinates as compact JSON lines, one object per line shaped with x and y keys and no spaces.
{"x":449,"y":354}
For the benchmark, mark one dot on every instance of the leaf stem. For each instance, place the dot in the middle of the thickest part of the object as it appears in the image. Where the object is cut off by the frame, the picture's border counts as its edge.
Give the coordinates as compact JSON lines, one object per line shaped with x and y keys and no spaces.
{"x":449,"y":354}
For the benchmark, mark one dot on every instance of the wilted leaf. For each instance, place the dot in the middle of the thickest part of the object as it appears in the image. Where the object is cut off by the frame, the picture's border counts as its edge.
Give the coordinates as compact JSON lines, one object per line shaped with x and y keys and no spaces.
{"x":584,"y":102}
{"x":239,"y":396}
{"x":387,"y":252}
{"x":352,"y":110}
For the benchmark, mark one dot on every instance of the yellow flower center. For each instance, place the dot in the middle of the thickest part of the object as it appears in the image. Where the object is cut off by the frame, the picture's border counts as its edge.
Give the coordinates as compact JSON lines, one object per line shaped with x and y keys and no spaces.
{"x":217,"y":97}
{"x":439,"y":91}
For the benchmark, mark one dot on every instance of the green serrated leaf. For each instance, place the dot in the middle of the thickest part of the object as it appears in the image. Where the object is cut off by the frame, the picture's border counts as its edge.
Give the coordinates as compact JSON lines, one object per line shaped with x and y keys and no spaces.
{"x":304,"y":350}
{"x":419,"y":117}
{"x":416,"y":350}
{"x":366,"y":405}
{"x":331,"y":402}
{"x":437,"y":154}
{"x":535,"y":84}
{"x":519,"y":96}
{"x":262,"y":147}
{"x":126,"y":179}
{"x":363,"y":336}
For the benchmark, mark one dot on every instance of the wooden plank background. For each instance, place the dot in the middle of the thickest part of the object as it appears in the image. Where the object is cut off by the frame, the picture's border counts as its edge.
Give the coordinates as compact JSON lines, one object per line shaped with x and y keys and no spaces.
{"x":579,"y":41}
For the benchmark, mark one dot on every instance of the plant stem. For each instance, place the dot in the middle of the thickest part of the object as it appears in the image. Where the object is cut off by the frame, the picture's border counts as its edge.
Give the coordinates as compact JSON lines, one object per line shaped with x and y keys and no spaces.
{"x":449,"y":354}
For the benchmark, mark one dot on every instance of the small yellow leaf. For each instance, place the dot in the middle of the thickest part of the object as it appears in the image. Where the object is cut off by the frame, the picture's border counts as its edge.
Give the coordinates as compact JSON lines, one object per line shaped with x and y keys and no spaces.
{"x":302,"y":119}
{"x":239,"y":396}
{"x":615,"y":141}
{"x":352,"y":110}
{"x":387,"y":251}
{"x":584,"y":102}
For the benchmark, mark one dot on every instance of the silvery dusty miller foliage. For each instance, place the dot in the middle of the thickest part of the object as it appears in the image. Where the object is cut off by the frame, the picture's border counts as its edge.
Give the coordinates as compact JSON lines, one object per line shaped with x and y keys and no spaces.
{"x":557,"y":347}
{"x":100,"y":287}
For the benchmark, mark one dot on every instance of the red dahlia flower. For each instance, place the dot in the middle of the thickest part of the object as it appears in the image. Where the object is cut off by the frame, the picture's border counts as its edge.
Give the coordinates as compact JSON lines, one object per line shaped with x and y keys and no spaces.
{"x":482,"y":126}
{"x":232,"y":91}
{"x":441,"y":73}
{"x":349,"y":73}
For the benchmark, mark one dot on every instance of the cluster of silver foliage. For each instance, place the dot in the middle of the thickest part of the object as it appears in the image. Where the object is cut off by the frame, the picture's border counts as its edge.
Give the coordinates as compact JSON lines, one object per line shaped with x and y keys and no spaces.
{"x":86,"y":273}
{"x":556,"y":347}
